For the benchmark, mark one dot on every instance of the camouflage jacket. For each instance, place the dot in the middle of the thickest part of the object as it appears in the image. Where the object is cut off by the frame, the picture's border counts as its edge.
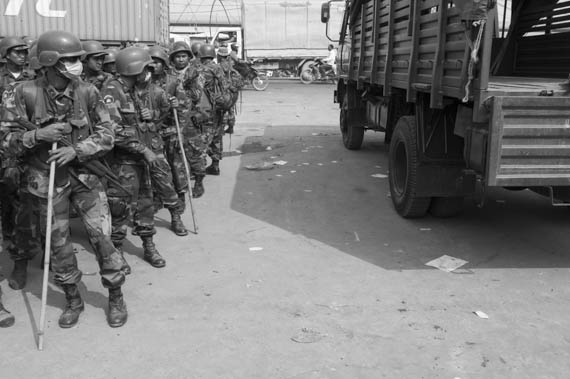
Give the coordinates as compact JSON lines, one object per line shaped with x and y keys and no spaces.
{"x":97,"y":79}
{"x":8,"y":82}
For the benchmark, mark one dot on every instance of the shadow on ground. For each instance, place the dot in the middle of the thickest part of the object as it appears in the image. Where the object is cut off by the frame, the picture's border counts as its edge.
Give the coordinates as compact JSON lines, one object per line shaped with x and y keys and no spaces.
{"x":327,"y":193}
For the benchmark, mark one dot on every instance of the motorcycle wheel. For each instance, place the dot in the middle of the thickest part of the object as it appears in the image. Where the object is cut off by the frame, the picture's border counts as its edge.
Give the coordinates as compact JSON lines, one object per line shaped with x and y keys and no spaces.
{"x":307,"y":76}
{"x":260,"y":82}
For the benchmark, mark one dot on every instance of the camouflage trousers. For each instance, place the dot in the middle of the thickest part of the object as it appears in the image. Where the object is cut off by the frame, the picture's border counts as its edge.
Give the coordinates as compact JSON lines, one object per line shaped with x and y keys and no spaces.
{"x":195,"y":148}
{"x":9,"y":200}
{"x":135,"y":179}
{"x":215,"y":137}
{"x":90,"y":202}
{"x":174,"y":158}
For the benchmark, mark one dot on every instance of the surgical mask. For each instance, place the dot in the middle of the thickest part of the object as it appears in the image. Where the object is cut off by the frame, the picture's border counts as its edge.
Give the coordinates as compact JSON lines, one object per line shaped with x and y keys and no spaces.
{"x":146,"y":78}
{"x":72,"y":70}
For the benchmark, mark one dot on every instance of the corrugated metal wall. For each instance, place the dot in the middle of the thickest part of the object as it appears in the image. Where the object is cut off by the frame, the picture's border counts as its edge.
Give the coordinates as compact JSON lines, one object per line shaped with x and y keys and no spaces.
{"x":105,"y":20}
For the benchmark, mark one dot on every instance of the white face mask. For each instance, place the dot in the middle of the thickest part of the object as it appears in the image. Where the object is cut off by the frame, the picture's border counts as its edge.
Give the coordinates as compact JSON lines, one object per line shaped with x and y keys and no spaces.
{"x":72,"y":70}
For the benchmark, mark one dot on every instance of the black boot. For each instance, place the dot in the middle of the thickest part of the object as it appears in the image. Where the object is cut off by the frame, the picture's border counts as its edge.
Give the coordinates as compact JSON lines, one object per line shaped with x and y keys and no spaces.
{"x":151,"y":255}
{"x":176,"y":224}
{"x":73,"y":308}
{"x":198,"y":189}
{"x":214,"y":168}
{"x":17,"y":280}
{"x":6,"y":318}
{"x":118,"y":314}
{"x":126,"y":268}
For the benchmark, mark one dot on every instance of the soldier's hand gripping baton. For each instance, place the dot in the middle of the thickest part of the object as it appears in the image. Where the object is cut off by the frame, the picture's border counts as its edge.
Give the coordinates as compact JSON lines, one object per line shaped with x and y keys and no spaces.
{"x":47,"y":251}
{"x":186,"y":168}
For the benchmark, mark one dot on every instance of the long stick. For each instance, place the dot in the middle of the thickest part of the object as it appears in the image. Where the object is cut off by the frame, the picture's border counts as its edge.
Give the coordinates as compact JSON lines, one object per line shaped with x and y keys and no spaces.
{"x":47,"y":252}
{"x":186,"y":167}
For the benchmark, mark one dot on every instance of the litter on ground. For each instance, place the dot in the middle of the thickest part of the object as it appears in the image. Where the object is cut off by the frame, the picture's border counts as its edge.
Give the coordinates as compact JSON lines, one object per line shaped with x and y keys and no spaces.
{"x":481,"y":314}
{"x":260,"y":166}
{"x":280,"y":163}
{"x":308,"y":336}
{"x":381,"y":176}
{"x":255,"y":248}
{"x":446,"y":263}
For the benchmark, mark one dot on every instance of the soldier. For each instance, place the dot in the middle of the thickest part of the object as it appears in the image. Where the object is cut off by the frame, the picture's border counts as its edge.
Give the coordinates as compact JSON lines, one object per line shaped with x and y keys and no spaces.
{"x":109,"y":62}
{"x":195,"y":48}
{"x":188,"y":91}
{"x":15,"y":51}
{"x":93,"y":64}
{"x":213,"y":76}
{"x":59,"y":107}
{"x":133,"y":155}
{"x":161,"y":77}
{"x":151,"y":98}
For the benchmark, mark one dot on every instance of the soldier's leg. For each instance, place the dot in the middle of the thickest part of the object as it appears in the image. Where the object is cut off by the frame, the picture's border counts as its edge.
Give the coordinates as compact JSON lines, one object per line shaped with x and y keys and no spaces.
{"x":174,"y":158}
{"x":195,"y":148}
{"x":93,"y":209}
{"x":6,"y":318}
{"x":161,"y":176}
{"x":145,"y":229}
{"x":215,"y":147}
{"x":121,"y":204}
{"x":26,"y":238}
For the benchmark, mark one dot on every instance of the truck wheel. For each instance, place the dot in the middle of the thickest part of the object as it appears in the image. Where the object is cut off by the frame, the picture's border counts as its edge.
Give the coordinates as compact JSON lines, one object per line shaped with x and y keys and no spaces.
{"x":404,"y":162}
{"x":445,"y":207}
{"x":352,"y":136}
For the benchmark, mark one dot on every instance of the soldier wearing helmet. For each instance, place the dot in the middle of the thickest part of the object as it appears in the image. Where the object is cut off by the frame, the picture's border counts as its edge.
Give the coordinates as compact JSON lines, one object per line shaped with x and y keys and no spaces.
{"x":168,"y":82}
{"x":214,"y":80}
{"x":188,"y":91}
{"x":60,"y":108}
{"x":109,"y":62}
{"x":136,"y":152}
{"x":93,"y":61}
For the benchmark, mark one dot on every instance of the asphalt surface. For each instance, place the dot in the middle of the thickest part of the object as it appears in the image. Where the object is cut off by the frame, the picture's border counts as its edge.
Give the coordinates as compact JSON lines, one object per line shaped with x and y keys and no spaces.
{"x":304,"y":270}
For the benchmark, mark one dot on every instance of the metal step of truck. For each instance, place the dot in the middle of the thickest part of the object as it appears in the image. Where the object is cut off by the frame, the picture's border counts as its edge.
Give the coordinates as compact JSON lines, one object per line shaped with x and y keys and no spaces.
{"x":529,"y":141}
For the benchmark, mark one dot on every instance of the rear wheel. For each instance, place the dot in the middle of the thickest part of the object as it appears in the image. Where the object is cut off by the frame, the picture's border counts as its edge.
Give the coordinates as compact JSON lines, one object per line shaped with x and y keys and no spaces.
{"x":307,"y":76}
{"x":352,"y":135}
{"x":404,"y":167}
{"x":260,"y":82}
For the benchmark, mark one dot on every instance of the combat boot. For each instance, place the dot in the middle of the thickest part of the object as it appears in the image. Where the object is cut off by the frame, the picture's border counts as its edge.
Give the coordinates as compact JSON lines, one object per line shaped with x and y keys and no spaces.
{"x":198,"y":189}
{"x":151,"y":255}
{"x":118,"y":314}
{"x":73,"y":308}
{"x":214,"y":168}
{"x":17,"y":280}
{"x":6,"y":318}
{"x":125,"y":268}
{"x":176,"y":224}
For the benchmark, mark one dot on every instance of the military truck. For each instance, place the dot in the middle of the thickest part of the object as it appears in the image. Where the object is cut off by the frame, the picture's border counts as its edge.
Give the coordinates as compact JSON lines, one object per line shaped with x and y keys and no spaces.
{"x":470,"y":94}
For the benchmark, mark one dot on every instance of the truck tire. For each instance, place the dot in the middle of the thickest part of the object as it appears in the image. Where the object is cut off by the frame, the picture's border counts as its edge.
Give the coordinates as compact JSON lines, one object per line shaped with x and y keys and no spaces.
{"x":445,"y":207}
{"x":404,"y":166}
{"x":352,"y":135}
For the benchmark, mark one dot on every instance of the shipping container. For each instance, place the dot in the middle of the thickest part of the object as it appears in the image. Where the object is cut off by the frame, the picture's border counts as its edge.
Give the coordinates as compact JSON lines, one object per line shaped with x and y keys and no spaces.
{"x":108,"y":21}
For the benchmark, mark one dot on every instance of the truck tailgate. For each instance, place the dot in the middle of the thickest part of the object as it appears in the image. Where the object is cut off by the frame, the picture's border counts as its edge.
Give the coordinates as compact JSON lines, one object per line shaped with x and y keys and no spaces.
{"x":529,"y":141}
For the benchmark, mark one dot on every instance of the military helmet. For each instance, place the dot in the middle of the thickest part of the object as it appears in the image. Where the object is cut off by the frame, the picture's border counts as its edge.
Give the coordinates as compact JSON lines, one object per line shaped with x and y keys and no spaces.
{"x":159,"y":52}
{"x":93,"y":48}
{"x":111,"y":55}
{"x":33,"y":60}
{"x":196,"y":48}
{"x":11,"y":42}
{"x":223,"y":51}
{"x":132,"y":61}
{"x":57,"y":44}
{"x":179,"y":47}
{"x":207,"y":51}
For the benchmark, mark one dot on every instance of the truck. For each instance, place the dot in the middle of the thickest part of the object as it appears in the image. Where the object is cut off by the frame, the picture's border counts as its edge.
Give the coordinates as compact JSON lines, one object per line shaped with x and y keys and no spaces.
{"x":278,"y":35}
{"x":112,"y":22}
{"x":470,"y":94}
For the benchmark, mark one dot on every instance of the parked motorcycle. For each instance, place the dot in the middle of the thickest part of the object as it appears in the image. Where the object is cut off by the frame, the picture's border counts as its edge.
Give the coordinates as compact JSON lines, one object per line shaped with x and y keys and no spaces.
{"x":312,"y":72}
{"x":258,"y":79}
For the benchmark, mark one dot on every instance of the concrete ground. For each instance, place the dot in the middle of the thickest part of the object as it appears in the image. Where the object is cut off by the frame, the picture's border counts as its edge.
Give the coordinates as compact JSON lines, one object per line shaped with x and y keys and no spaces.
{"x":305,"y":270}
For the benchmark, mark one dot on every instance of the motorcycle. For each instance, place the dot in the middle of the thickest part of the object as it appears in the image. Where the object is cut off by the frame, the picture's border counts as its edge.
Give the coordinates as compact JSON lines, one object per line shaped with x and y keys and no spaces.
{"x":310,"y":71}
{"x":258,"y":79}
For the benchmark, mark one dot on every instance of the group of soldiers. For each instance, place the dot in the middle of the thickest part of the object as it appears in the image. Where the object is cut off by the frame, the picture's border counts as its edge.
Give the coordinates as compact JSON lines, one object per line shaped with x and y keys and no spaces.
{"x":122,"y":127}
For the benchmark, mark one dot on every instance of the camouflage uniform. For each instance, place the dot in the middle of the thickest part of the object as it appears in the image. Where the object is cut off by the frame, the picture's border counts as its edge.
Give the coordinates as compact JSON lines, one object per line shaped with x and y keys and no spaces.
{"x":98,"y":79}
{"x":213,"y":72}
{"x":91,"y":134}
{"x":10,"y":169}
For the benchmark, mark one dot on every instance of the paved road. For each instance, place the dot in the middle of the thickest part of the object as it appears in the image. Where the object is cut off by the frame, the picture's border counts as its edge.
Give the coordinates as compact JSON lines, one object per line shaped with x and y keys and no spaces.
{"x":337,"y":287}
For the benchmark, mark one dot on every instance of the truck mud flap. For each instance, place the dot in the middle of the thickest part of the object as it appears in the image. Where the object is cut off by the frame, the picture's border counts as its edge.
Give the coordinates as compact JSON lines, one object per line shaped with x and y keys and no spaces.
{"x":529,"y":142}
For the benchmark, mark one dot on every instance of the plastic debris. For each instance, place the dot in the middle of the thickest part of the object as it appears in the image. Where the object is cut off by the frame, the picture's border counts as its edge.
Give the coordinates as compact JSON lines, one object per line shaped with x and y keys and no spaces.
{"x":308,"y":190}
{"x":481,"y":314}
{"x":308,"y":336}
{"x":305,"y":164}
{"x":425,"y":229}
{"x":279,"y":175}
{"x":292,"y":171}
{"x":255,"y":248}
{"x":280,"y":163}
{"x":381,"y":176}
{"x":319,"y":164}
{"x":260,"y":166}
{"x":268,"y":148}
{"x":334,"y":162}
{"x":447,"y":263}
